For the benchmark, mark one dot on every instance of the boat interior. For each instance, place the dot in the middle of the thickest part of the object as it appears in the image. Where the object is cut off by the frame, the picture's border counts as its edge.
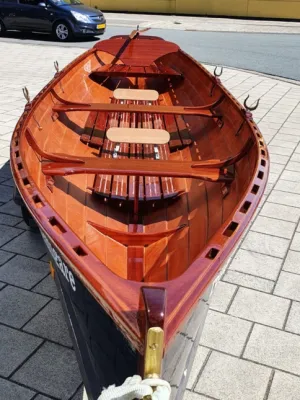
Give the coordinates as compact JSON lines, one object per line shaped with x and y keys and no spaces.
{"x":143,"y":155}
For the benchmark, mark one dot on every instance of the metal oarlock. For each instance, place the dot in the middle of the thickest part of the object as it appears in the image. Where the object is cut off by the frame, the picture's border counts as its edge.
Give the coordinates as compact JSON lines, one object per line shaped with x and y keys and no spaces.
{"x":249,"y":109}
{"x":26,"y":94}
{"x":217,"y":78}
{"x":56,"y":66}
{"x":216,"y":74}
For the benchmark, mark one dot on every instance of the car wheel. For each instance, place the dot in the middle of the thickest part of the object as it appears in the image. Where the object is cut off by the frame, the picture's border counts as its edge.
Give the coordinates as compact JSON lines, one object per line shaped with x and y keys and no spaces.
{"x":2,"y":28}
{"x":62,"y":31}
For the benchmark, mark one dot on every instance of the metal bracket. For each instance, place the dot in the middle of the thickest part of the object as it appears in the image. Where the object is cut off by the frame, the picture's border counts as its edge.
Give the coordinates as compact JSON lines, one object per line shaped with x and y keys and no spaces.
{"x":156,"y":153}
{"x":154,"y":352}
{"x":116,"y":149}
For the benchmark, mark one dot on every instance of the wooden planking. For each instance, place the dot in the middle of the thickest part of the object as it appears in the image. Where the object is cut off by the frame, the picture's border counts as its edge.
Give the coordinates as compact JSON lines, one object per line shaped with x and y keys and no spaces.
{"x":119,"y":187}
{"x":89,"y":127}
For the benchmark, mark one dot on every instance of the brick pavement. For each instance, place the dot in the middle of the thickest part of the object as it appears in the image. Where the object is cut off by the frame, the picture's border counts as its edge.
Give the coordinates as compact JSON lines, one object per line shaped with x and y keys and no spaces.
{"x":250,"y":347}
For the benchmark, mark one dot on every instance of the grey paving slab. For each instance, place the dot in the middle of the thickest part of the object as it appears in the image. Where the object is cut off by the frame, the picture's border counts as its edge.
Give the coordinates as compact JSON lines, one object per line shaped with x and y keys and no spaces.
{"x":266,"y":244}
{"x":222,"y":296}
{"x":5,"y":171}
{"x":275,"y":227}
{"x":257,"y":264}
{"x":225,"y":333}
{"x":9,"y":220}
{"x":28,"y":243}
{"x":12,"y":391}
{"x":288,"y":285}
{"x":280,"y":211}
{"x":274,"y":348}
{"x":5,"y":256}
{"x":249,"y":281}
{"x":188,"y":396}
{"x":284,"y":386}
{"x":47,"y":287}
{"x":292,"y":262}
{"x":23,"y":271}
{"x":7,"y":233}
{"x":6,"y":193}
{"x":17,"y":305}
{"x":15,"y":347}
{"x":260,"y":307}
{"x":200,"y":358}
{"x":50,"y":324}
{"x":43,"y":371}
{"x":229,"y":378}
{"x":293,"y":322}
{"x":295,"y":245}
{"x":11,"y":208}
{"x":41,"y":397}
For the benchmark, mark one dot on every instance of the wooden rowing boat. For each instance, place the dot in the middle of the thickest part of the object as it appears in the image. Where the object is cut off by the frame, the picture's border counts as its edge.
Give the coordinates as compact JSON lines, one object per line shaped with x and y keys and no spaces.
{"x":142,"y":172}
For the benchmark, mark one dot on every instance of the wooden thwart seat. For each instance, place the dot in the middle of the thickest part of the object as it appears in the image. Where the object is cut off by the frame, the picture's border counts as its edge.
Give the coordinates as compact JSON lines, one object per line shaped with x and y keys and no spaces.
{"x":136,"y":167}
{"x":129,"y":71}
{"x":138,"y":135}
{"x":136,"y":94}
{"x":201,"y":111}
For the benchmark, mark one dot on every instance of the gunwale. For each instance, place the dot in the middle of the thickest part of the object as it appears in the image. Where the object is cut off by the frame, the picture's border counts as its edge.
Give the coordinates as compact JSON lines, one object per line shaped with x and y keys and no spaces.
{"x":98,"y":278}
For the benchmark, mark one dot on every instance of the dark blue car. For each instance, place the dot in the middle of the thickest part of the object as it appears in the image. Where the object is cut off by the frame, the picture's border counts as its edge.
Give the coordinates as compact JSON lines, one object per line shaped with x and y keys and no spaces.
{"x":63,"y":18}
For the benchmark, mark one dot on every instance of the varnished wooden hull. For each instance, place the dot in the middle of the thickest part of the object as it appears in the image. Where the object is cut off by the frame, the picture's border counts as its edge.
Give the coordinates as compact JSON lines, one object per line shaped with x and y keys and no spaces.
{"x":143,"y":228}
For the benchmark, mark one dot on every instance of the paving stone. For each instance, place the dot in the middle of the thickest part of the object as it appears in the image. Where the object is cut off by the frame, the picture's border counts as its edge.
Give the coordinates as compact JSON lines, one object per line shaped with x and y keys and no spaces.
{"x":28,"y":244}
{"x":17,"y":306}
{"x":296,"y":242}
{"x":6,"y":193}
{"x":15,"y":347}
{"x":9,"y":182}
{"x":274,"y":348}
{"x":280,"y":150}
{"x":293,"y":322}
{"x":275,"y":227}
{"x":279,"y":159}
{"x":288,"y":285}
{"x":259,"y":307}
{"x":52,"y":370}
{"x":290,"y":176}
{"x":12,"y":391}
{"x":288,"y":186}
{"x":225,"y":333}
{"x":41,"y":397}
{"x":282,"y":143}
{"x":222,"y":296}
{"x":201,"y":355}
{"x":229,"y":378}
{"x":47,"y":286}
{"x":5,"y":171}
{"x":292,"y":262}
{"x":265,"y":244}
{"x":248,"y":281}
{"x":23,"y":271}
{"x":281,"y":211}
{"x":187,"y":396}
{"x":11,"y":208}
{"x":50,"y":324}
{"x":256,"y":264}
{"x":5,"y":256}
{"x":9,"y":220}
{"x":284,"y":386}
{"x":8,"y":233}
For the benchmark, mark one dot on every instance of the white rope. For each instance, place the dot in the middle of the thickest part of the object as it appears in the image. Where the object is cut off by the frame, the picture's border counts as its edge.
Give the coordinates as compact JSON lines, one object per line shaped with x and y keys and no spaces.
{"x":136,"y":388}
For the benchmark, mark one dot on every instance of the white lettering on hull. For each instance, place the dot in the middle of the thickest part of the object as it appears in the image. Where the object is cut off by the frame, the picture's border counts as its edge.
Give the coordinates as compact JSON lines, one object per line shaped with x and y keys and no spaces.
{"x":60,"y":264}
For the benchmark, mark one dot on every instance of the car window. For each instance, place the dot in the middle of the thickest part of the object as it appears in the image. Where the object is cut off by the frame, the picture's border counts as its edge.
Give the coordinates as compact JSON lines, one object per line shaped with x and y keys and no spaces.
{"x":62,"y":2}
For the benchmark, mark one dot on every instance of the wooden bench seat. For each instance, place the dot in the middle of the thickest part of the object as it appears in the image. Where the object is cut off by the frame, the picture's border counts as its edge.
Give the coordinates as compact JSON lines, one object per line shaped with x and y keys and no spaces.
{"x":138,"y":135}
{"x":136,"y":94}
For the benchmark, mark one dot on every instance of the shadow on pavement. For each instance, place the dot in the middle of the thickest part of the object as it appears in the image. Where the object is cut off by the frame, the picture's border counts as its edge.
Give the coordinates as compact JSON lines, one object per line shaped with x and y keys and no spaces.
{"x":45,"y":37}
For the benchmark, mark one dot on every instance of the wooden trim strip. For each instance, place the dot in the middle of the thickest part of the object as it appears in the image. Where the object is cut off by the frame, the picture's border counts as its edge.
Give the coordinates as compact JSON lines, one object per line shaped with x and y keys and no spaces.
{"x":132,"y":238}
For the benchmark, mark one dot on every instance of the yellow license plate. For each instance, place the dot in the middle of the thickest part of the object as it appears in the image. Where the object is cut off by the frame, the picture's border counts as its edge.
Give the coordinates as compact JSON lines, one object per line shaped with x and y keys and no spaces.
{"x":101,"y":26}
